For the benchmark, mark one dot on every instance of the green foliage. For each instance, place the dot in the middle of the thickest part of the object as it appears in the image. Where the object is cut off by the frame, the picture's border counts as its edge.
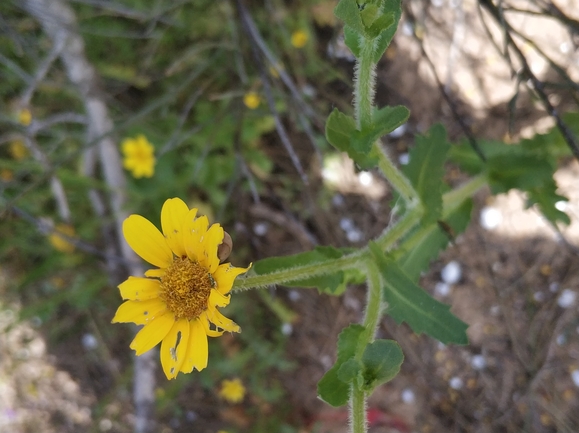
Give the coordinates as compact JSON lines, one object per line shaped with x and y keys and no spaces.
{"x":332,"y":284}
{"x":409,"y":303}
{"x":331,"y":388}
{"x":381,"y":362}
{"x":426,"y":170}
{"x":528,"y":166}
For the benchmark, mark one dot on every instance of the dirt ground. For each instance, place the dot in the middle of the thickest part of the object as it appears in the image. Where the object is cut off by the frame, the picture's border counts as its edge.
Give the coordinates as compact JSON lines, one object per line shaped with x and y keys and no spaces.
{"x":517,"y":287}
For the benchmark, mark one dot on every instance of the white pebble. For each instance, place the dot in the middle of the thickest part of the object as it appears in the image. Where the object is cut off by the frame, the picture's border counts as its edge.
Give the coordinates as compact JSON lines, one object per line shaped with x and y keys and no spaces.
{"x":346,"y":224}
{"x":398,"y":132}
{"x":478,"y":362}
{"x":287,"y":329}
{"x":567,"y":298}
{"x":365,"y":178}
{"x":554,"y":287}
{"x":404,"y":159}
{"x":451,"y":273}
{"x":294,"y":295}
{"x":260,"y":229}
{"x":89,"y":341}
{"x":354,"y":235}
{"x":539,"y":296}
{"x":490,"y":218}
{"x":562,"y":205}
{"x":105,"y":424}
{"x":408,"y":396}
{"x":455,"y":382}
{"x":561,"y":339}
{"x":575,"y":377}
{"x":442,"y":289}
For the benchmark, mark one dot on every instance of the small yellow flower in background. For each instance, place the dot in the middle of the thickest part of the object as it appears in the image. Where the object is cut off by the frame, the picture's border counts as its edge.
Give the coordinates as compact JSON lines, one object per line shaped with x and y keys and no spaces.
{"x":6,"y":175}
{"x":24,"y":117}
{"x":232,"y":391}
{"x":299,"y":39}
{"x":18,"y":150}
{"x":251,"y":100}
{"x":178,"y":302}
{"x":58,"y":242}
{"x":139,"y":156}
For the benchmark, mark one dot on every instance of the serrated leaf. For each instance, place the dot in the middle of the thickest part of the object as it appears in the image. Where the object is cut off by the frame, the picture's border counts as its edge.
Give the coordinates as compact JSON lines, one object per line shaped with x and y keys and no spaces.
{"x":409,"y":303}
{"x":515,"y":171}
{"x":330,"y":388}
{"x":426,"y":170}
{"x":546,"y":198}
{"x":332,"y":284}
{"x":384,"y":120}
{"x":348,"y":11}
{"x":385,"y":37}
{"x":381,"y":362}
{"x":425,"y":246}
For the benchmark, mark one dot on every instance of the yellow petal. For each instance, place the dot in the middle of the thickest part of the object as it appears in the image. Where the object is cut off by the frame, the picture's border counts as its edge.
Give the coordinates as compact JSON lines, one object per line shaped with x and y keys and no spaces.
{"x":155,"y":273}
{"x":139,"y":312}
{"x":197,"y":348}
{"x":204,"y":318}
{"x":216,"y":298}
{"x":223,"y":322}
{"x":173,"y":216}
{"x":194,"y":232}
{"x":174,"y":348}
{"x":140,"y":289}
{"x":210,"y":243}
{"x":147,"y":241}
{"x":225,"y":275}
{"x":152,"y":333}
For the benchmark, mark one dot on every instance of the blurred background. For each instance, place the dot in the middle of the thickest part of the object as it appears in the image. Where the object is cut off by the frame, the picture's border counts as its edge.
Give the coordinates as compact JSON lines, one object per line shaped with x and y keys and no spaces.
{"x":228,"y":100}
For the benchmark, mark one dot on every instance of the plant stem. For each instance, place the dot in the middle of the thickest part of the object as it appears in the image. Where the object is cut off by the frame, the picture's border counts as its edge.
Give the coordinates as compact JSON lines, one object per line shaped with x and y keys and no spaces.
{"x":364,"y":82}
{"x":358,"y":410}
{"x":395,"y":176}
{"x":395,"y":232}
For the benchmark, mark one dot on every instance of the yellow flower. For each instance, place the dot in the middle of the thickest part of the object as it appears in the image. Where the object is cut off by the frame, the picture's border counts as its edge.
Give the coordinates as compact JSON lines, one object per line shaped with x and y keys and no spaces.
{"x":139,"y":156}
{"x":178,"y":302}
{"x":24,"y":117}
{"x":251,"y":100}
{"x":232,"y":391}
{"x":299,"y":39}
{"x":18,"y":150}
{"x":58,"y":242}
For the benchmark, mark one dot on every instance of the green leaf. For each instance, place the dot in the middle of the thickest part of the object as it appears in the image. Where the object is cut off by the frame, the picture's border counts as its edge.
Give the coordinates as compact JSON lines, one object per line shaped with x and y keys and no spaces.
{"x":546,"y":197}
{"x":330,"y":388}
{"x":347,"y":11}
{"x":379,"y":25}
{"x":409,"y":303}
{"x":340,"y":129}
{"x":423,"y":245}
{"x":381,"y":362}
{"x":350,"y":370}
{"x":384,"y":120}
{"x":426,"y":170}
{"x":385,"y":37}
{"x":352,"y":41}
{"x":332,"y":284}
{"x":369,"y":14}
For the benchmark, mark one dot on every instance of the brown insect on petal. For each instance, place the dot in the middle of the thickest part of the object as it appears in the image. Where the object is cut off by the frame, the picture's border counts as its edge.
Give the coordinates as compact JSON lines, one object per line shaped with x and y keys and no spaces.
{"x":225,"y":247}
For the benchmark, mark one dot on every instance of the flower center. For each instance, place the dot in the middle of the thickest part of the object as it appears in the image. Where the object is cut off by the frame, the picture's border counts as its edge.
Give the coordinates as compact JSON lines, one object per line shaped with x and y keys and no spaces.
{"x":185,"y":288}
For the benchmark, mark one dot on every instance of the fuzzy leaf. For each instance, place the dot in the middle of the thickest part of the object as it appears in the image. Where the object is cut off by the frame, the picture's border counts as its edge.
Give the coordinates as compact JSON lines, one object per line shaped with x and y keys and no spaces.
{"x":381,"y":362}
{"x":330,"y":388}
{"x":409,"y":303}
{"x":426,"y":170}
{"x":348,"y":11}
{"x":352,"y":41}
{"x":384,"y":120}
{"x":385,"y":37}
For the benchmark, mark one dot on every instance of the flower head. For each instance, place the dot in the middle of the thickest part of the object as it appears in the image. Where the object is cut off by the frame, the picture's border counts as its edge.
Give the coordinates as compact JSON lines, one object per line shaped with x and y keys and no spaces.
{"x":251,"y":100}
{"x":139,"y":156}
{"x":178,"y":302}
{"x":24,"y":117}
{"x":232,"y":391}
{"x":299,"y":39}
{"x":18,"y":150}
{"x":58,"y":241}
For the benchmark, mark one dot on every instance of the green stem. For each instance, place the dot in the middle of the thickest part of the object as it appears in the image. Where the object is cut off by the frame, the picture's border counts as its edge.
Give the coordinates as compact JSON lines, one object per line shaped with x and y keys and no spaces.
{"x":454,"y":198}
{"x":364,"y":82}
{"x":395,"y":176}
{"x":358,"y":410}
{"x":373,"y":305}
{"x":395,"y":232}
